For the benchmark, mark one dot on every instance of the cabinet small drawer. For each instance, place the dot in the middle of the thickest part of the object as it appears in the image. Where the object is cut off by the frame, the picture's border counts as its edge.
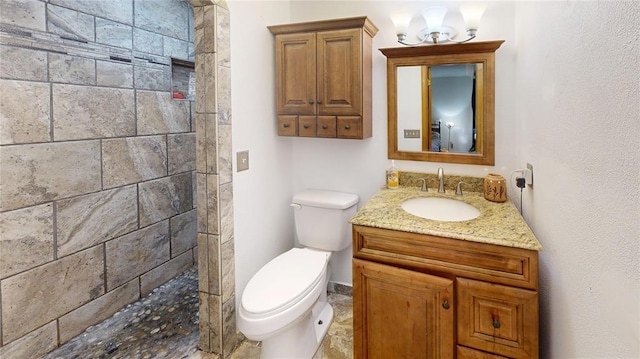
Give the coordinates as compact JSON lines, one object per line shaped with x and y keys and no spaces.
{"x":307,"y":126}
{"x":467,"y":353}
{"x":349,"y":127}
{"x":287,"y":125}
{"x":497,"y":319}
{"x":327,"y":126}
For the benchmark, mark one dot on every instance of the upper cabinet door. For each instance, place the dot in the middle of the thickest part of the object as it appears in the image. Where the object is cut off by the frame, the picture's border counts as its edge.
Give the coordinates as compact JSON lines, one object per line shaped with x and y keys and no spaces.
{"x":339,"y":66}
{"x":296,"y":69}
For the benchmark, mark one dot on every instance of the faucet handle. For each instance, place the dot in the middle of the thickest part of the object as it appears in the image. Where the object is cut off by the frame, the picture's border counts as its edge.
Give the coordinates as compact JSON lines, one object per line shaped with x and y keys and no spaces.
{"x":459,"y":188}
{"x":424,"y":185}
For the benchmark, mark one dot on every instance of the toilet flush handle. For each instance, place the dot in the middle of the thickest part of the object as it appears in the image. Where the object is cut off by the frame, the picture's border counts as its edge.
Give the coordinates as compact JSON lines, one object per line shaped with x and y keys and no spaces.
{"x":296,"y":206}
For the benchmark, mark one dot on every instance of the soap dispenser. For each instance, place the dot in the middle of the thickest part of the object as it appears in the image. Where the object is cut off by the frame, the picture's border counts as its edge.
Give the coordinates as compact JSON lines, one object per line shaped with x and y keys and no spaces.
{"x":392,"y":176}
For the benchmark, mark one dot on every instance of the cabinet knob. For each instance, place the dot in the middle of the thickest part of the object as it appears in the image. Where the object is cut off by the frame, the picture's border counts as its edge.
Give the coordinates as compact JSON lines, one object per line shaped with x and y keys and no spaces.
{"x":311,"y":102}
{"x":324,"y":127}
{"x":285,"y":125}
{"x":496,"y":323}
{"x":347,"y":127}
{"x":319,"y":102}
{"x":445,"y":304}
{"x":306,"y":126}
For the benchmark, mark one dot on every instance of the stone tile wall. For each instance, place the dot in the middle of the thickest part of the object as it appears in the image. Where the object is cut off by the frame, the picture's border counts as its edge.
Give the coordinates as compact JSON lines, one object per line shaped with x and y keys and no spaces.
{"x":216,"y":264}
{"x":97,"y":163}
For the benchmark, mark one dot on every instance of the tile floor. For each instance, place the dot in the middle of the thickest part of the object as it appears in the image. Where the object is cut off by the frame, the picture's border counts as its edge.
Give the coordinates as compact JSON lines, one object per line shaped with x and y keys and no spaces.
{"x":164,"y":324}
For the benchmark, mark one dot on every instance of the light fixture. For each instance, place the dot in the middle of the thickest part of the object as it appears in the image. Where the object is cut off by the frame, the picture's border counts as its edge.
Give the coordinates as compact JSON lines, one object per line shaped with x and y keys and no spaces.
{"x":436,"y":32}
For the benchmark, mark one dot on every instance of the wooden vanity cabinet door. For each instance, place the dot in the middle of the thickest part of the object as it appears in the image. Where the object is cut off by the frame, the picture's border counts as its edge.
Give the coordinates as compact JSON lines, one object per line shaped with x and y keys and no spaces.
{"x":350,"y":127}
{"x":467,"y":353}
{"x":340,"y":72}
{"x":401,"y":314}
{"x":296,"y":74}
{"x":497,"y":319}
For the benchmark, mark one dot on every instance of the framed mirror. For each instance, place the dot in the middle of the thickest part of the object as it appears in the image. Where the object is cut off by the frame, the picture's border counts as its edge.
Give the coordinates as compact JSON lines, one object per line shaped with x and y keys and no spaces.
{"x":441,"y":102}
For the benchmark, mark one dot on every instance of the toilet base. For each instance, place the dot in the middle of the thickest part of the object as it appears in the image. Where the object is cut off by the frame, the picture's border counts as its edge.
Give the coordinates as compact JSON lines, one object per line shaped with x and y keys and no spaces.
{"x":302,"y":339}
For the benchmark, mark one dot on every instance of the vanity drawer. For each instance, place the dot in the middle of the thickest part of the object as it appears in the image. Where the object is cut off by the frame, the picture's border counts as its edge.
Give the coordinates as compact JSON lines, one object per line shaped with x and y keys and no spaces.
{"x":498,"y":319}
{"x":349,"y":127}
{"x":491,"y":263}
{"x":307,"y":126}
{"x":327,"y":126}
{"x":288,"y":125}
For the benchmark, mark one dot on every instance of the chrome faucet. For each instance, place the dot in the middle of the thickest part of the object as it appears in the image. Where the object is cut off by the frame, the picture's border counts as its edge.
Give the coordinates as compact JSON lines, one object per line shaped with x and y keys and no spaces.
{"x":424,"y":185}
{"x":441,"y":180}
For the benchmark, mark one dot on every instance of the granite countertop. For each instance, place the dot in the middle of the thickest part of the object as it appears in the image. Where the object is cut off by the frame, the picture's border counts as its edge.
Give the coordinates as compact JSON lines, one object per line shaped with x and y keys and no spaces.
{"x":498,"y":223}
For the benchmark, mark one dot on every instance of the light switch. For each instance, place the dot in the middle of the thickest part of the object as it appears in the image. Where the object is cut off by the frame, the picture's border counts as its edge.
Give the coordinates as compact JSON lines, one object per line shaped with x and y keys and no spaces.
{"x":243,"y":160}
{"x":411,"y":133}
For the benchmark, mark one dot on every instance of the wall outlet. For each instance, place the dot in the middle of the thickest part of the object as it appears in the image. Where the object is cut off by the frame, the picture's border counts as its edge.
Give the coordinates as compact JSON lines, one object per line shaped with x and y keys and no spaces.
{"x":243,"y":161}
{"x":411,"y":133}
{"x":528,"y":174}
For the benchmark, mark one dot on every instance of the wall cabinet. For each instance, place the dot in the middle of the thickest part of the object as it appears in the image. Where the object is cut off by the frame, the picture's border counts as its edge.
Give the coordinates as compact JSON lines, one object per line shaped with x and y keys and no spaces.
{"x":323,"y":78}
{"x":421,"y":296}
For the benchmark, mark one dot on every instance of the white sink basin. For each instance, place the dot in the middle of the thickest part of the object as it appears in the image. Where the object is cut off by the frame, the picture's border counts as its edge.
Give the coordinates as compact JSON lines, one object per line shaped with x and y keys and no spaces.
{"x":440,"y":209}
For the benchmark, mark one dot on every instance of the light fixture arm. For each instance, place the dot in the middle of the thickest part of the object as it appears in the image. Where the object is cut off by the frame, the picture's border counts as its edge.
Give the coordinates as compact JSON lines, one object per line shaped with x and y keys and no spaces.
{"x":470,"y":32}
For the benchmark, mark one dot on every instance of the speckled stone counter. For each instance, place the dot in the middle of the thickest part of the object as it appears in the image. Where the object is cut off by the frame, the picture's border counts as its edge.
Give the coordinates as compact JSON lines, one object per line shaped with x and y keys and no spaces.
{"x":498,"y":223}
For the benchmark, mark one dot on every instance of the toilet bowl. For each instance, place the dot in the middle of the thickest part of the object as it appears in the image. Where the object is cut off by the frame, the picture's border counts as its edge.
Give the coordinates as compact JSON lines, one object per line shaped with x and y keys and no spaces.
{"x":284,"y":304}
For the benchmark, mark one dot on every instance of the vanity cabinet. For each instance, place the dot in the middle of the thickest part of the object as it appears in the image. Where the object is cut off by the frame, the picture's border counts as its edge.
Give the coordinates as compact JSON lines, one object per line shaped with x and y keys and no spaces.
{"x":423,"y":296}
{"x":323,"y":78}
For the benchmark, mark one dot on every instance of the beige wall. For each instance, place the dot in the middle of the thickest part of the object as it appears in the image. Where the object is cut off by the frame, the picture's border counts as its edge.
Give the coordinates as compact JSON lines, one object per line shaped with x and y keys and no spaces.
{"x":97,"y":163}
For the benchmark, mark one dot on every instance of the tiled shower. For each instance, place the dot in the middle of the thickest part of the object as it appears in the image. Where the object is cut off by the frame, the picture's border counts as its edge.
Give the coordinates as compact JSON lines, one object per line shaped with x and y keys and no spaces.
{"x":97,"y":162}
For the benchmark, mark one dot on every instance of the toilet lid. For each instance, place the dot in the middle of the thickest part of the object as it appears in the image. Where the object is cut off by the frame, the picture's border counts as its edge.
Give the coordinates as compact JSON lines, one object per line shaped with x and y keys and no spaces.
{"x":284,"y":280}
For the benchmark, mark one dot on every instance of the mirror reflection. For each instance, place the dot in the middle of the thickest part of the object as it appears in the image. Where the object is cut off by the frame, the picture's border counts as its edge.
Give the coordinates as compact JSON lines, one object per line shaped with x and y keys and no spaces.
{"x":437,"y":107}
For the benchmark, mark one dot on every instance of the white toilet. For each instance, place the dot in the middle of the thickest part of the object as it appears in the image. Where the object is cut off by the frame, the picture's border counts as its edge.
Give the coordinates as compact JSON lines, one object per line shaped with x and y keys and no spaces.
{"x":285,"y":303}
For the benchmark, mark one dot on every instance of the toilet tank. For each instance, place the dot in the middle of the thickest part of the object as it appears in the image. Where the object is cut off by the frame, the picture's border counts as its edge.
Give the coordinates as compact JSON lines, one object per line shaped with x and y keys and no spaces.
{"x":322,"y":218}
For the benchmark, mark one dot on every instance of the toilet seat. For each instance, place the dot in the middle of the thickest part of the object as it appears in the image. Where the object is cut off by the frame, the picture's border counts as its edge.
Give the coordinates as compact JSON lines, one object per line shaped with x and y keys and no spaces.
{"x":283,"y":281}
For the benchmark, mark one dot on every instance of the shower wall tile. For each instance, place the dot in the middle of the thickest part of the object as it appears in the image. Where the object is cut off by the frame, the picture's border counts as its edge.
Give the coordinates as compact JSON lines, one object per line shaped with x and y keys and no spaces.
{"x":203,"y":263}
{"x":70,"y":23}
{"x":159,"y":113}
{"x":94,"y":312}
{"x":209,"y":38}
{"x":165,"y":197}
{"x":201,"y":203}
{"x":183,"y":232}
{"x":226,"y":211}
{"x":206,"y":84}
{"x":29,"y":14}
{"x":212,"y":140}
{"x":152,"y":77}
{"x":117,"y":10}
{"x":227,"y":265}
{"x":26,"y":239}
{"x":194,"y":188}
{"x":150,"y":15}
{"x":230,"y":337}
{"x":181,"y":152}
{"x":81,"y":112}
{"x":225,"y":153}
{"x":147,"y":41}
{"x":223,"y":108}
{"x":201,"y":148}
{"x":136,"y":253}
{"x":213,"y":205}
{"x":72,"y":69}
{"x":34,"y":174}
{"x":33,"y":345}
{"x":85,"y":221}
{"x":25,"y":113}
{"x":133,"y":159}
{"x":114,"y":74}
{"x":176,"y":48}
{"x":23,"y":64}
{"x":64,"y":285}
{"x":223,"y":36}
{"x":164,"y":272}
{"x":114,"y":33}
{"x":198,"y":29}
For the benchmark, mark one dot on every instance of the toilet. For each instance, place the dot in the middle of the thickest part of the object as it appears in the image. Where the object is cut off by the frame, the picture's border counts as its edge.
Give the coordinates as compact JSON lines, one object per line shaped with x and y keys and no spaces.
{"x":284,"y":305}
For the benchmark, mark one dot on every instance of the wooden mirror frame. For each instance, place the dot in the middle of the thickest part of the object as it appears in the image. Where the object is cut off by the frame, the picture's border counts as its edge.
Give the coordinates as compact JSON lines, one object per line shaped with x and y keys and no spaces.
{"x":474,"y":52}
